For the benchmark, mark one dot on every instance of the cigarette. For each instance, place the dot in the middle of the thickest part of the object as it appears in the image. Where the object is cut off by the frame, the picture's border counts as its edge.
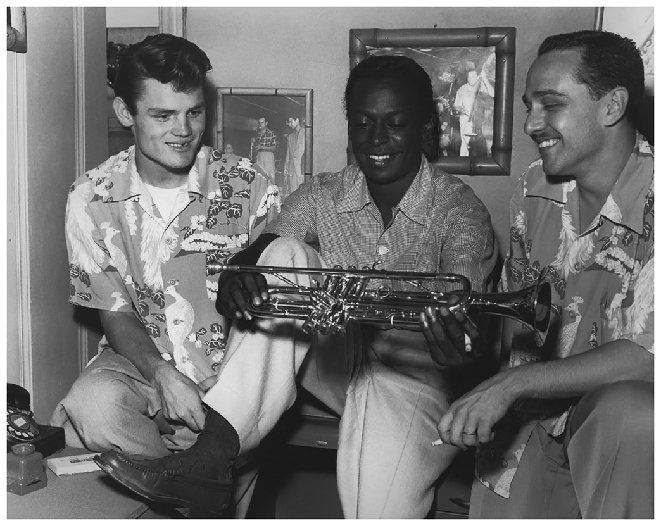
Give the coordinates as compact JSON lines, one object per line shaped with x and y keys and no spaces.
{"x":437,"y":442}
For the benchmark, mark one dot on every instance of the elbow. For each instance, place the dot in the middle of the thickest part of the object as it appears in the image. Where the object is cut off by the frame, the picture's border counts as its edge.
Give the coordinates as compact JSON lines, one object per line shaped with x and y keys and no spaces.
{"x":644,"y":364}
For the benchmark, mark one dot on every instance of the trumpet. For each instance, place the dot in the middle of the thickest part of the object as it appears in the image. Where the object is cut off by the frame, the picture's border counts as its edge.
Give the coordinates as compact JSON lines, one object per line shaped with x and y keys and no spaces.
{"x":337,"y":296}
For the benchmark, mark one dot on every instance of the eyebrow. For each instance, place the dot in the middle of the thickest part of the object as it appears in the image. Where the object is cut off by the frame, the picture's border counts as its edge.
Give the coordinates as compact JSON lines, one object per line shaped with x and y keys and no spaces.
{"x":542,"y":93}
{"x":170,"y":111}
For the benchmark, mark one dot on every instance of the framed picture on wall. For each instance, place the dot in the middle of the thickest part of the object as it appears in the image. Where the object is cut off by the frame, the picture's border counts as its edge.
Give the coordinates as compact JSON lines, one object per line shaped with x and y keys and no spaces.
{"x":636,"y":23}
{"x":472,"y":74}
{"x":270,"y":126}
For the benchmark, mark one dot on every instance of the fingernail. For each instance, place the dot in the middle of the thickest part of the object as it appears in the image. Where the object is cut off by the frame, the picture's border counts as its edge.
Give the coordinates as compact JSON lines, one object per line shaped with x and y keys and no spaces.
{"x":437,"y":442}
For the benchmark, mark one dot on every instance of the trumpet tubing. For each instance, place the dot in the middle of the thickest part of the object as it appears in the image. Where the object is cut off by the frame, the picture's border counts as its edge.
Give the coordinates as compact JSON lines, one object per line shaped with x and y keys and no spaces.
{"x":346,"y":295}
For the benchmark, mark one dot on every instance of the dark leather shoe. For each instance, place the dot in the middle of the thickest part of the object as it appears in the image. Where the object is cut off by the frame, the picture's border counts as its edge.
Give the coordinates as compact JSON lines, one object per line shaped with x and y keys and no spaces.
{"x":162,"y":482}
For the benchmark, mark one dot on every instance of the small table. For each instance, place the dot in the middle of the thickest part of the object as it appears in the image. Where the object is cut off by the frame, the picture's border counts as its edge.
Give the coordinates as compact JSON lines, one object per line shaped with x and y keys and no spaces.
{"x":82,"y":496}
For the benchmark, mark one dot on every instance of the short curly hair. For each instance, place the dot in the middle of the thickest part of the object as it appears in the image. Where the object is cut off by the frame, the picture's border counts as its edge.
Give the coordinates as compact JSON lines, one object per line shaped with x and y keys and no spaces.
{"x":398,"y":67}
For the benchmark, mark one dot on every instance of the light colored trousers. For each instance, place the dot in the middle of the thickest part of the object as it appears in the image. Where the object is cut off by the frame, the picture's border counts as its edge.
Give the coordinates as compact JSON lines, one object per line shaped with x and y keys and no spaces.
{"x":389,"y":393}
{"x":266,"y":161}
{"x":603,"y":468}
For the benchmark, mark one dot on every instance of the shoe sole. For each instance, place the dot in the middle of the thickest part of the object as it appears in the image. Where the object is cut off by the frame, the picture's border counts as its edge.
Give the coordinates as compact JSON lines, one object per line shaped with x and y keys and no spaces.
{"x":163,"y":499}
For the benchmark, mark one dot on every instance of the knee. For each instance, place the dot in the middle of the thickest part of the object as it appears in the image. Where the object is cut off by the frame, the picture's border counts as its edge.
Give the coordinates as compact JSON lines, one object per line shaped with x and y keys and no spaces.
{"x":627,"y":405}
{"x":94,"y":404}
{"x":289,"y":252}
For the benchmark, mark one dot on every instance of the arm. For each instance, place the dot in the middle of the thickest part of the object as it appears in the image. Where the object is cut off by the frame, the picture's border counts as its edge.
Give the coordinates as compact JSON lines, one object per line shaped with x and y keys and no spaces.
{"x":469,"y":250}
{"x":487,"y":86}
{"x":180,"y":396}
{"x":300,"y":143}
{"x":480,"y":409}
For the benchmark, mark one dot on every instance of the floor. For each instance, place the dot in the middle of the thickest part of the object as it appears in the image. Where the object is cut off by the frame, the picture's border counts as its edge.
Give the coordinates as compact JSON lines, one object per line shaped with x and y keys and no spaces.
{"x":299,"y":483}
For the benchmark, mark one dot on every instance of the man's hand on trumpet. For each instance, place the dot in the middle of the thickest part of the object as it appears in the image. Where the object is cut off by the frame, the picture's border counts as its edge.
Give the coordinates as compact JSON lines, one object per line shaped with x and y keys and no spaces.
{"x":452,"y":336}
{"x":236,"y":290}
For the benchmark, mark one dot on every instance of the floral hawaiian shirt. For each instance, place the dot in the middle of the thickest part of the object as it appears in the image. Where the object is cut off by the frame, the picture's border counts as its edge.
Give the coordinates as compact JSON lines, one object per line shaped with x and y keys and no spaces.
{"x":123,"y":256}
{"x":602,"y":287}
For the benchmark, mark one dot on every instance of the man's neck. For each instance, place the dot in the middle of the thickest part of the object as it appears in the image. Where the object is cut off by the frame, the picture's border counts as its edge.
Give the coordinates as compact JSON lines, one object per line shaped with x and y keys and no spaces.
{"x":387,"y":196}
{"x":162,"y":178}
{"x":595,"y":187}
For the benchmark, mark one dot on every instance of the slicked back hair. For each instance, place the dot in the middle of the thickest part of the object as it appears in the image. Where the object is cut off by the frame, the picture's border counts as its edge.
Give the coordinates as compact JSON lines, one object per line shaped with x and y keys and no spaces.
{"x":608,"y":61}
{"x":167,"y":58}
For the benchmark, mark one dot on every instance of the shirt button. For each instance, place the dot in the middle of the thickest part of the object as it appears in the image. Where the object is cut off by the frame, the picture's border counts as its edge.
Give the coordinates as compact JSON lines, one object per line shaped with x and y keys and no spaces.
{"x":383,"y":250}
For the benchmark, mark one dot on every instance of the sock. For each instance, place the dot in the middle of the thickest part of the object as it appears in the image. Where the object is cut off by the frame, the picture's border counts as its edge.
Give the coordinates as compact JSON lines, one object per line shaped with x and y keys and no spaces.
{"x":219,"y":434}
{"x":214,"y":452}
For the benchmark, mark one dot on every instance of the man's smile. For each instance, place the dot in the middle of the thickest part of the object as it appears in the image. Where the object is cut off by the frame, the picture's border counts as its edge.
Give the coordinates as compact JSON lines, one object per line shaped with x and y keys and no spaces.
{"x":547,"y":143}
{"x":179,"y":146}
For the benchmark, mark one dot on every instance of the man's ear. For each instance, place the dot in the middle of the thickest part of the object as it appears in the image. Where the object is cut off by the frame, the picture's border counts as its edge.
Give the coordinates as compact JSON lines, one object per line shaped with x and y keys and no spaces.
{"x":122,"y":112}
{"x":616,"y":102}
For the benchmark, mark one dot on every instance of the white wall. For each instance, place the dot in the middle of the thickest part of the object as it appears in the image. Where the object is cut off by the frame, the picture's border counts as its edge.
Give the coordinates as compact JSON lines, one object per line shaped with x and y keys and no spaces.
{"x":308,"y":47}
{"x":131,"y":16}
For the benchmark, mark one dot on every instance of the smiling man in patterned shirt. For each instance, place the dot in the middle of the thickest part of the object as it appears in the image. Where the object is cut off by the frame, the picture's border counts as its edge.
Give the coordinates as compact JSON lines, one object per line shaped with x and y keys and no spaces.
{"x":567,"y":430}
{"x":141,"y":230}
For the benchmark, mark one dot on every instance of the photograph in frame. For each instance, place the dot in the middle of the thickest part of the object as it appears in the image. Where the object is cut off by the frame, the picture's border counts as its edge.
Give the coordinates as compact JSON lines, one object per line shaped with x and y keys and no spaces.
{"x":472,"y":74}
{"x":272,"y":128}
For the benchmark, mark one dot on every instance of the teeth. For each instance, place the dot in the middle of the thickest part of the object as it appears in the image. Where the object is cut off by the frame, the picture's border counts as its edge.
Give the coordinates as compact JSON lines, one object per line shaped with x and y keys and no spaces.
{"x":379,"y":157}
{"x":548,"y":143}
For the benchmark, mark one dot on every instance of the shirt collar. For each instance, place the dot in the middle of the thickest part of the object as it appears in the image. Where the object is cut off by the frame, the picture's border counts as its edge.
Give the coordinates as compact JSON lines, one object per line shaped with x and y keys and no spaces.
{"x":122,"y":181}
{"x":625,"y":203}
{"x":356,"y":194}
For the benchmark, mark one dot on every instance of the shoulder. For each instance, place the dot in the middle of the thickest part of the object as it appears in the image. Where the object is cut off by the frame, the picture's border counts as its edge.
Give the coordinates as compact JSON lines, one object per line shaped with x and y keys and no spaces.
{"x":98,"y":179}
{"x":337,"y":183}
{"x":447,"y":187}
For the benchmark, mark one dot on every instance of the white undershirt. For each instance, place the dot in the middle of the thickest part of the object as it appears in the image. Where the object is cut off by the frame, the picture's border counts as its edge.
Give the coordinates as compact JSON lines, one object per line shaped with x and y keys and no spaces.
{"x":165,"y":199}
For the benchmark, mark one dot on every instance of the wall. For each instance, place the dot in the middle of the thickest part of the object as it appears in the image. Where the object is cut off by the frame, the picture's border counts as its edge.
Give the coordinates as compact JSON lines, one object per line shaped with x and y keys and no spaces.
{"x":309,"y":48}
{"x":57,"y":111}
{"x":132,"y":16}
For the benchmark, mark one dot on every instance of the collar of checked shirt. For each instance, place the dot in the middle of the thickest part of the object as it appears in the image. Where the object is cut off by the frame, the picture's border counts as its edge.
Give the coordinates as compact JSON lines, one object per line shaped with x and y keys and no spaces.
{"x":414,"y":204}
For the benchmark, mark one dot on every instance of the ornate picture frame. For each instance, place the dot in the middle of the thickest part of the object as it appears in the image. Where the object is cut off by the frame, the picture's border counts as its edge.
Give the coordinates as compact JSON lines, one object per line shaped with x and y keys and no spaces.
{"x":463,"y":144}
{"x":288,"y":112}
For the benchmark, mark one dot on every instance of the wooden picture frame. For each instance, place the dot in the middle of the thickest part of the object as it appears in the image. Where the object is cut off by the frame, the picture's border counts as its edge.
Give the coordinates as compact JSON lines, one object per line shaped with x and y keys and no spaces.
{"x":442,"y":52}
{"x":17,"y":40}
{"x":239,"y":109}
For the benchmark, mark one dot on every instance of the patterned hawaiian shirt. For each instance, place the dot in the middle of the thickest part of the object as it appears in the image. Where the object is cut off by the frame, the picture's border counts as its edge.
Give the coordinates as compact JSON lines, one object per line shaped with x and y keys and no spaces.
{"x":602,"y":287}
{"x":123,"y":256}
